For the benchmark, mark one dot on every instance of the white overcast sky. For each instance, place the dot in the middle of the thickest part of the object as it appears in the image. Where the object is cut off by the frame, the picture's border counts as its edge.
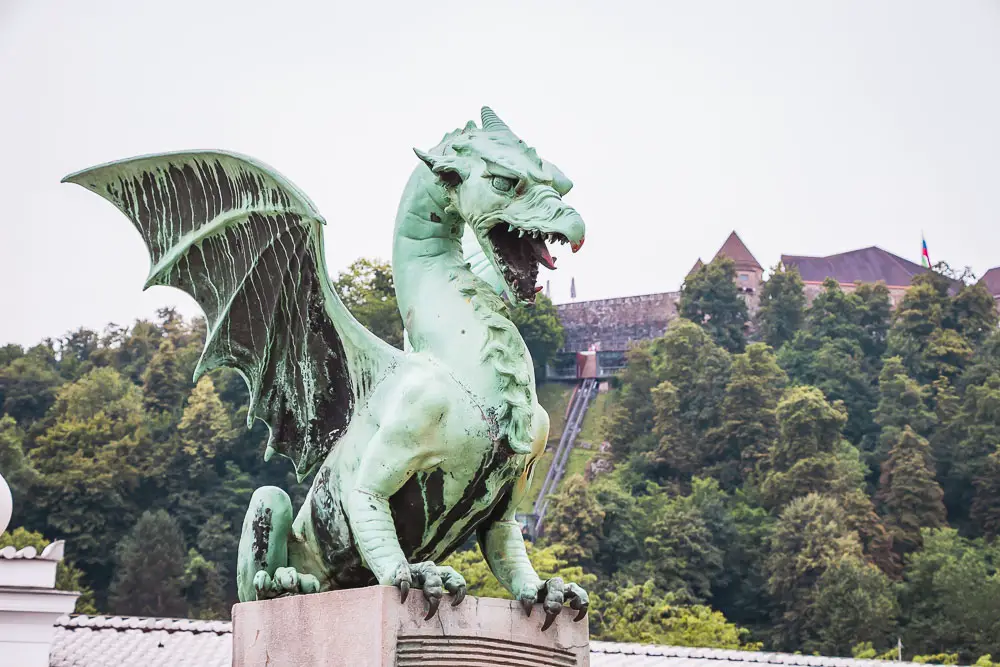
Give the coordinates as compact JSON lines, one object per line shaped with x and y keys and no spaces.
{"x":809,"y":127}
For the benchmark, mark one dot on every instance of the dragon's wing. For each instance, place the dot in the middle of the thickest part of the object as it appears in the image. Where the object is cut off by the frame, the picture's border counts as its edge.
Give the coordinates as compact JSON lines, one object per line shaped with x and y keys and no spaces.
{"x":248,"y":246}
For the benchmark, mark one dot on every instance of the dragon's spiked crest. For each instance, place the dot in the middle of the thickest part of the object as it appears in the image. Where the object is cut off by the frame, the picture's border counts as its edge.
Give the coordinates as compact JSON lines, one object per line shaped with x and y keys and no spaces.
{"x":510,"y":198}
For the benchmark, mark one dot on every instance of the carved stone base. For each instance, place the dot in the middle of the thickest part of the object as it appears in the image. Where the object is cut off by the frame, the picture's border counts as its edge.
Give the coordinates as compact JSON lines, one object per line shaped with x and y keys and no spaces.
{"x":368,"y":627}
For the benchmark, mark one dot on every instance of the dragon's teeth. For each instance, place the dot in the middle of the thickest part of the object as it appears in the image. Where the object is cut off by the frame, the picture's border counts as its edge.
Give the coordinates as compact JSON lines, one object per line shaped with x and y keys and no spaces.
{"x":520,"y":233}
{"x":510,"y":228}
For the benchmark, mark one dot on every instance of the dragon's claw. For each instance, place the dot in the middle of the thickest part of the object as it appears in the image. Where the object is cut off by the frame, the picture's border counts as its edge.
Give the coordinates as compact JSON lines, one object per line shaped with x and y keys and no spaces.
{"x":552,"y":594}
{"x":434,"y":581}
{"x":286,"y":581}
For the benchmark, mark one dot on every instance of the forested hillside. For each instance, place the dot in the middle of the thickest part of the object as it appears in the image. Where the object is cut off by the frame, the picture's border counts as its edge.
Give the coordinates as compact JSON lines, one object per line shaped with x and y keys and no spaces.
{"x":827,"y":483}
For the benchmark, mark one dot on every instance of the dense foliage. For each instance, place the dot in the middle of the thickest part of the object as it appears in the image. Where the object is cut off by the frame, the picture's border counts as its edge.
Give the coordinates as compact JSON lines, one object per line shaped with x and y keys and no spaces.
{"x":829,"y":483}
{"x":827,"y":480}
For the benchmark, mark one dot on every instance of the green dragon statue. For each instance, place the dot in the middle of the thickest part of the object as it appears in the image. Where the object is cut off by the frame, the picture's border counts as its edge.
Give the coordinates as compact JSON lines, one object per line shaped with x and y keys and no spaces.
{"x":418,"y":449}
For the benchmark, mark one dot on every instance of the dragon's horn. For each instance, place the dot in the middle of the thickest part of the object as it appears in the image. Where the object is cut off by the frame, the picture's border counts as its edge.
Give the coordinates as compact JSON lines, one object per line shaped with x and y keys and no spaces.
{"x":492,"y":122}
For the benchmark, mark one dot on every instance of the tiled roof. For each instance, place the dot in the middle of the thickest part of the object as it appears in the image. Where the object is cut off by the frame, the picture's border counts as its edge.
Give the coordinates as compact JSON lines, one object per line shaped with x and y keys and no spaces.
{"x":992,"y":280}
{"x":867,"y":265}
{"x":99,"y":641}
{"x":613,"y":654}
{"x":736,"y":250}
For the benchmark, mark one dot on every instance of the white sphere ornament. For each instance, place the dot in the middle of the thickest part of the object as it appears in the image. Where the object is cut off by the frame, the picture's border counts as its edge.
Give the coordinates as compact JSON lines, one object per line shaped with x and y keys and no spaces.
{"x":6,"y":504}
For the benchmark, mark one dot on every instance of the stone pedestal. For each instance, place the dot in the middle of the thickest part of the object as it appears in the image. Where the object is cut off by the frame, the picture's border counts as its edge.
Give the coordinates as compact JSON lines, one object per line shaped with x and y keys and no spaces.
{"x":368,"y":627}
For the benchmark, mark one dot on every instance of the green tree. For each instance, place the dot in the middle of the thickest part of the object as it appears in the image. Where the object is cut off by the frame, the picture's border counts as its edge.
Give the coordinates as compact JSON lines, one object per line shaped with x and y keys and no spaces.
{"x":854,"y":601}
{"x":749,"y":422}
{"x":203,"y":588}
{"x":909,"y":496}
{"x":149,"y":577}
{"x":89,"y":458}
{"x":28,"y":385}
{"x":541,"y":330}
{"x":812,"y":535}
{"x":14,"y":464}
{"x":782,"y":306}
{"x":548,"y":563}
{"x":629,"y":424}
{"x":986,"y":503}
{"x":642,"y":613}
{"x":686,"y":409}
{"x":902,"y":402}
{"x":711,"y":298}
{"x":368,"y":290}
{"x":68,"y":576}
{"x":574,"y":520}
{"x":805,"y":457}
{"x":950,"y":597}
{"x":680,"y":552}
{"x":975,"y":433}
{"x":163,"y":385}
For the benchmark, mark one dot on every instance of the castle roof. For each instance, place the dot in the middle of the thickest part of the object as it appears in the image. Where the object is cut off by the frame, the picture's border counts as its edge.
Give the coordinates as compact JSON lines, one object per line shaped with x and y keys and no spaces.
{"x":694,"y":269}
{"x":991,"y":279}
{"x":736,"y":250}
{"x":866,"y":265}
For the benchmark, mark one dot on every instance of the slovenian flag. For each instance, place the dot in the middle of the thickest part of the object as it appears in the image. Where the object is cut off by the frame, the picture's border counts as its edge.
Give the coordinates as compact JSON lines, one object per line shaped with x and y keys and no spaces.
{"x":925,"y":259}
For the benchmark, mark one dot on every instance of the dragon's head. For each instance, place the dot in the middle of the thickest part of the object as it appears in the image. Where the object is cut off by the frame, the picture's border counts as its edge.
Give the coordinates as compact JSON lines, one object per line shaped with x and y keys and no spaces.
{"x":509,"y":197}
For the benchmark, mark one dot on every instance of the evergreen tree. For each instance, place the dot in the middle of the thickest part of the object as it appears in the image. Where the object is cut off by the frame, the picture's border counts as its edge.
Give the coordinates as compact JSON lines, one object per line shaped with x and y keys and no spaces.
{"x":749,"y":424}
{"x":950,"y":597}
{"x":782,"y":306}
{"x":902,"y":402}
{"x":163,"y":386}
{"x":203,"y":588}
{"x":909,"y":495}
{"x":711,"y":298}
{"x":89,"y":460}
{"x":149,"y":577}
{"x":811,"y":536}
{"x":680,"y":553}
{"x":28,"y":385}
{"x":986,"y":503}
{"x":574,"y":520}
{"x":205,"y":430}
{"x":697,"y":371}
{"x":854,"y":602}
{"x":629,"y":425}
{"x":977,"y":428}
{"x":973,"y":313}
{"x":875,"y":316}
{"x":804,"y":457}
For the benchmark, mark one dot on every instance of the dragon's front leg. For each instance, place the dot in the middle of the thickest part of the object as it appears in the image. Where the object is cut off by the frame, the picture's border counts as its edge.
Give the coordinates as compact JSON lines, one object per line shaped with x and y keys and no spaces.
{"x":398,"y":450}
{"x":262,"y":568}
{"x":503,"y":545}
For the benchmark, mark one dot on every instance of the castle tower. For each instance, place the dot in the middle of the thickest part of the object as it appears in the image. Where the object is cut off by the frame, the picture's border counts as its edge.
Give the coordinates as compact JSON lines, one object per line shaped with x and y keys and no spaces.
{"x":749,"y":272}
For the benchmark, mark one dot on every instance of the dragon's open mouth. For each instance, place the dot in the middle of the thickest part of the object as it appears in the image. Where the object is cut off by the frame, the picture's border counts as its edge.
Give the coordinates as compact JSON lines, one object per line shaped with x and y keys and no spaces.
{"x":518,"y":253}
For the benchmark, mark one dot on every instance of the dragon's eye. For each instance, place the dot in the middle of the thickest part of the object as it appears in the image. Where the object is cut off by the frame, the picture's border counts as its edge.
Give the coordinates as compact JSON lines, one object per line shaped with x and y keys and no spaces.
{"x":502,"y":184}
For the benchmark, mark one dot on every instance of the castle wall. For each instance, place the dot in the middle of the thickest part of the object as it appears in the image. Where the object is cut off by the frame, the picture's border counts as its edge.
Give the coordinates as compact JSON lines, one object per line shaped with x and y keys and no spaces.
{"x":612,"y":324}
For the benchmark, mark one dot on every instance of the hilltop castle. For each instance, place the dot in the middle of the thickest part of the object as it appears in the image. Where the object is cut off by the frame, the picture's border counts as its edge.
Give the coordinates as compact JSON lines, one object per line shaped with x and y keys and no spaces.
{"x":610,"y":326}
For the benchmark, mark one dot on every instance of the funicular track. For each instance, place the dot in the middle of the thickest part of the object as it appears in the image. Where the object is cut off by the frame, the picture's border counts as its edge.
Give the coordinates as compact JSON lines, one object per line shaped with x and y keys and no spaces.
{"x":582,"y":396}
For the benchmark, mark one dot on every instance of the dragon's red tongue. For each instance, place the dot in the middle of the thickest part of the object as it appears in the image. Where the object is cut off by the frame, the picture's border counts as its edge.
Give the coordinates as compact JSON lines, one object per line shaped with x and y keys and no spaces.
{"x":546,"y":259}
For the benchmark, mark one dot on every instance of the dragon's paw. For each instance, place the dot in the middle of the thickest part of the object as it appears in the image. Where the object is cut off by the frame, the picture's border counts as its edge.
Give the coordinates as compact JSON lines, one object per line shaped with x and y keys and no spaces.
{"x":286,"y":581}
{"x":433,"y":580}
{"x":552,"y":594}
